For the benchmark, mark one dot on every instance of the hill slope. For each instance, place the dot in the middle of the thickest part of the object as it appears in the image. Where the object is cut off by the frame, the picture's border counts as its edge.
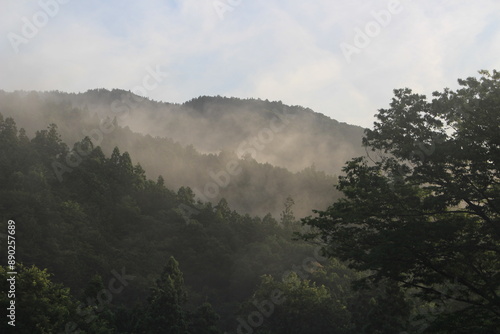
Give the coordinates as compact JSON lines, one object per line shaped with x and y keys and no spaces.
{"x":246,"y":144}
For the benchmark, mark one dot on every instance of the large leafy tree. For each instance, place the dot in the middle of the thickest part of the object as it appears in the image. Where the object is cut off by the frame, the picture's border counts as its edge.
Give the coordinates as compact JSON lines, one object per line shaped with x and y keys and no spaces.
{"x":293,"y":305}
{"x":42,"y":306}
{"x":423,"y":208}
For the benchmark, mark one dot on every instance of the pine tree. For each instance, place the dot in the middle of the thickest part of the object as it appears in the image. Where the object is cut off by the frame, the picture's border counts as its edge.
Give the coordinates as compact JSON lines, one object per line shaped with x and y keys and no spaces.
{"x":164,"y":312}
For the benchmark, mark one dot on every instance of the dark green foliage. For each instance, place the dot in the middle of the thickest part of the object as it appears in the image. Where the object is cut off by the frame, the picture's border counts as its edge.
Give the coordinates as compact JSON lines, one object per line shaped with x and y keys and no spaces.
{"x":43,"y":306}
{"x":168,"y":130}
{"x":204,"y":320}
{"x":318,"y":298}
{"x":426,"y":214}
{"x":296,"y":306}
{"x":105,"y":215}
{"x":164,"y":313}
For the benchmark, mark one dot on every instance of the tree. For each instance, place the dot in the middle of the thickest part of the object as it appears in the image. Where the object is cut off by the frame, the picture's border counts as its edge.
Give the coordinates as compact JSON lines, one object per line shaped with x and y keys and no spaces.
{"x":204,"y":320}
{"x":115,"y":157}
{"x":164,"y":312}
{"x":97,"y":308}
{"x":222,"y":209}
{"x":287,"y":216}
{"x":426,"y":212}
{"x":185,"y":195}
{"x":42,"y":306}
{"x":49,"y":142}
{"x":293,"y":306}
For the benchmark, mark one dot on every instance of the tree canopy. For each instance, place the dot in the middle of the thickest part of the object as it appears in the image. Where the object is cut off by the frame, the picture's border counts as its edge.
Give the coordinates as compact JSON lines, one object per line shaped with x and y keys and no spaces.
{"x":423,"y":209}
{"x":105,"y":218}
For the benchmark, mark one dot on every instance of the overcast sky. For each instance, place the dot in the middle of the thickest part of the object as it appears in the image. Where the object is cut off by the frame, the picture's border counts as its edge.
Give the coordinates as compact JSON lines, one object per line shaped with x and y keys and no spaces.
{"x":335,"y":57}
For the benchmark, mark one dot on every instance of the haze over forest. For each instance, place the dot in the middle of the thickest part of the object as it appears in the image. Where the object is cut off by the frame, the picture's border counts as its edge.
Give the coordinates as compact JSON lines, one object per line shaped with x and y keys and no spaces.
{"x":283,"y":150}
{"x":250,"y":167}
{"x":229,"y":218}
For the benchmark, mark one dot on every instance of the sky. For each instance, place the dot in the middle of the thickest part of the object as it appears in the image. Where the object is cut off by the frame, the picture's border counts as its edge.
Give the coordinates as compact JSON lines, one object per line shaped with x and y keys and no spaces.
{"x":339,"y":58}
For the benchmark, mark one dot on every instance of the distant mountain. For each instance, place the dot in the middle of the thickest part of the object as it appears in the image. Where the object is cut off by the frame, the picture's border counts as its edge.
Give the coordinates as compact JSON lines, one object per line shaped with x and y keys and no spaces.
{"x":213,"y":124}
{"x":252,"y":152}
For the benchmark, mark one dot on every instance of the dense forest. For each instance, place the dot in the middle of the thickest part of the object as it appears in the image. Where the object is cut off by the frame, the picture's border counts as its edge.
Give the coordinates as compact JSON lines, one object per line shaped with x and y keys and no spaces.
{"x":301,"y":137}
{"x":106,"y":219}
{"x":292,"y":135}
{"x":408,"y":242}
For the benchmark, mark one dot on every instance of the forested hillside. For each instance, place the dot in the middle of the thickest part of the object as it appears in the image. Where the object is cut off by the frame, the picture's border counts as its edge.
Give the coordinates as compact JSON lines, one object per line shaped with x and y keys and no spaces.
{"x":409,"y":242}
{"x":108,"y":233}
{"x":232,"y":171}
{"x":300,"y":138}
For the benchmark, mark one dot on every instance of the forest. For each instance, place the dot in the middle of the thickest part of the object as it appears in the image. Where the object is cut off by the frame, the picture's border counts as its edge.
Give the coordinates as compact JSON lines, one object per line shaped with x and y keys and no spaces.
{"x":282,"y":151}
{"x":113,"y":237}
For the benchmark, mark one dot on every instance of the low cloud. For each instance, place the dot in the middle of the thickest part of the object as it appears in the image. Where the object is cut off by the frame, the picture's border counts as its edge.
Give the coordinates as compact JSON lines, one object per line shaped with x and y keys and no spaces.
{"x":268,"y":49}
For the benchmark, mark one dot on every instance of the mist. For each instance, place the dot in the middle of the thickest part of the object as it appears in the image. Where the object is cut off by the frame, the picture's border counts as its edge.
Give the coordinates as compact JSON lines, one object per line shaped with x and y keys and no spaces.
{"x":276,"y":151}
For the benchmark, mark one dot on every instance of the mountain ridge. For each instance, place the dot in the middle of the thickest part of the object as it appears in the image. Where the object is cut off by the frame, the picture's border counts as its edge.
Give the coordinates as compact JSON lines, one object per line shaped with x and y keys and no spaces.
{"x":275,"y":151}
{"x":209,"y":124}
